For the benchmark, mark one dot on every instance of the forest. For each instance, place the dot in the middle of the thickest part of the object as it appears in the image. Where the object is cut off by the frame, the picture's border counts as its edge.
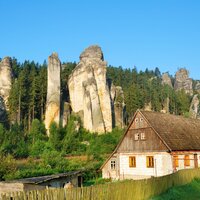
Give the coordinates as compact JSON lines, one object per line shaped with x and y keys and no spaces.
{"x":25,"y":149}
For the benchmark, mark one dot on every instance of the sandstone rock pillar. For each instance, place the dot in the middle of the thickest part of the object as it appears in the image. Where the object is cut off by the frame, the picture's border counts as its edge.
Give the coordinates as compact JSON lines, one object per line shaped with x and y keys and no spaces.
{"x":195,"y":107}
{"x":117,"y":96}
{"x":5,"y":79}
{"x":52,"y":113}
{"x":182,"y":81}
{"x":89,"y":93}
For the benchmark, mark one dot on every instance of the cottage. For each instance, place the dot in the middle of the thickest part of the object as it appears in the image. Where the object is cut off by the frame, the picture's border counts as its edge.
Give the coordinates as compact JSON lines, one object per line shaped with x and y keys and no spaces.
{"x":155,"y":144}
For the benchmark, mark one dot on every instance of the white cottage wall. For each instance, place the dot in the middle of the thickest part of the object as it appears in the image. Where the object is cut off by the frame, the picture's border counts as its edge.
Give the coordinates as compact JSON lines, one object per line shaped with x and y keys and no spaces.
{"x":162,"y":165}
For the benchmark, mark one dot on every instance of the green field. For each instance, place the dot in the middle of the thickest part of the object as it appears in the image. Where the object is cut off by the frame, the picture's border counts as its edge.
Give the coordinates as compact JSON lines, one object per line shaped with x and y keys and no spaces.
{"x":190,"y":191}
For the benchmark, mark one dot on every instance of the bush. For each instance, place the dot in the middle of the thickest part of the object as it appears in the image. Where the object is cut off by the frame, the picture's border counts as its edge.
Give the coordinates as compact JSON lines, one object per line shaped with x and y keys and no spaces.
{"x":7,"y":166}
{"x":54,"y":160}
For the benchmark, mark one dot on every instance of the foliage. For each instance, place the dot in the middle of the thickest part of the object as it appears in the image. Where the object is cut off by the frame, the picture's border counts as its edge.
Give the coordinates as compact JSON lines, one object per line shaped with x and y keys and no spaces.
{"x":14,"y":142}
{"x":54,"y":160}
{"x":145,"y":88}
{"x":7,"y":166}
{"x":101,"y":145}
{"x":189,"y":191}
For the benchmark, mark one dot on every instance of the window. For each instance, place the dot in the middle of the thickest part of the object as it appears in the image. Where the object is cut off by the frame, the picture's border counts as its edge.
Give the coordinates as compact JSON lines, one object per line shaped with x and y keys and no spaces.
{"x":137,"y":136}
{"x":143,"y":136}
{"x":136,"y":120}
{"x":132,"y":161}
{"x":176,"y":164}
{"x":112,"y":164}
{"x":150,"y":161}
{"x":141,"y":119}
{"x":187,"y":160}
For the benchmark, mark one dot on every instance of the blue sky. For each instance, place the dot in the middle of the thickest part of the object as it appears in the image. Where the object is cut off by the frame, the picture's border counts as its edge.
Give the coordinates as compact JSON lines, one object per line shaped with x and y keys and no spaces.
{"x":142,"y":33}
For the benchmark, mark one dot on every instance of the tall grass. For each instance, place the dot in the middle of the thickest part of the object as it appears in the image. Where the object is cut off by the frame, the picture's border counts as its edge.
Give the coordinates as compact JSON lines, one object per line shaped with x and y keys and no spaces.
{"x":121,"y":190}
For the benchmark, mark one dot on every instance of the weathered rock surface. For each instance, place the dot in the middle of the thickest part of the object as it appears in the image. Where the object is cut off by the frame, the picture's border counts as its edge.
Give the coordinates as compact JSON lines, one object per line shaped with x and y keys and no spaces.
{"x":89,"y":93}
{"x":118,"y":106}
{"x":53,"y":91}
{"x":65,"y":113}
{"x":165,"y":106}
{"x":195,"y":107}
{"x":182,"y":81}
{"x":5,"y":79}
{"x":2,"y":111}
{"x":166,"y":80}
{"x":148,"y":107}
{"x":197,"y":87}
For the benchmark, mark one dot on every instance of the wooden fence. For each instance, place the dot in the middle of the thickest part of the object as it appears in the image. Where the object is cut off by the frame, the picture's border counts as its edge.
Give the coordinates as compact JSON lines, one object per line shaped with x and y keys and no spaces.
{"x":127,"y":189}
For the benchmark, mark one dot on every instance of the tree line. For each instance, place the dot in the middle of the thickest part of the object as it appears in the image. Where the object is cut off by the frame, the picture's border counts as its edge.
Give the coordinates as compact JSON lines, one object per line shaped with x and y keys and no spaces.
{"x":145,"y":88}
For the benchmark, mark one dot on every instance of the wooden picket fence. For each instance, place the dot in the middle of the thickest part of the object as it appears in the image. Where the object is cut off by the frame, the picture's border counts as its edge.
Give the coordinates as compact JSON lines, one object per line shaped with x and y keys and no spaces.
{"x":127,"y":189}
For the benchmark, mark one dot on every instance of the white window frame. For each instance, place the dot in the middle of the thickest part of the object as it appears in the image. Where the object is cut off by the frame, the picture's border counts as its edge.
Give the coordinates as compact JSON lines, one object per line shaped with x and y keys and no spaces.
{"x":113,"y":164}
{"x":143,"y":136}
{"x":137,"y":136}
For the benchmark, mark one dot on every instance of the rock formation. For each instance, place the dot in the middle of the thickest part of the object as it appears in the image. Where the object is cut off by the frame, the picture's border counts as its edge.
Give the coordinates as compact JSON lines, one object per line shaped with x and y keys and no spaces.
{"x":89,"y":93}
{"x":65,"y":113}
{"x":166,"y":80}
{"x":2,"y":110}
{"x":5,"y":79}
{"x":197,"y":87}
{"x":195,"y":107}
{"x":118,"y":106}
{"x":165,"y":106}
{"x":53,"y":91}
{"x":148,"y":107}
{"x":182,"y":81}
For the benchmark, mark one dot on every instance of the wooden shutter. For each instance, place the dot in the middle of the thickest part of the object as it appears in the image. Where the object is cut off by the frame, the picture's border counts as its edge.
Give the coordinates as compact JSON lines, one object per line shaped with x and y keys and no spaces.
{"x":176,"y":162}
{"x":150,"y":161}
{"x":187,"y":160}
{"x":132,"y":161}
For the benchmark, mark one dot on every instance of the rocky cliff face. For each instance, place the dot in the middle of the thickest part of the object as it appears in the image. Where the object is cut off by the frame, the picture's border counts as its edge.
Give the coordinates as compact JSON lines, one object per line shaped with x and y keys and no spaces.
{"x":5,"y":79}
{"x":166,"y":80}
{"x":5,"y":86}
{"x":118,"y":106}
{"x":197,"y":87}
{"x":182,"y":81}
{"x":2,"y":110}
{"x":89,"y":93}
{"x":53,"y":91}
{"x":195,"y":107}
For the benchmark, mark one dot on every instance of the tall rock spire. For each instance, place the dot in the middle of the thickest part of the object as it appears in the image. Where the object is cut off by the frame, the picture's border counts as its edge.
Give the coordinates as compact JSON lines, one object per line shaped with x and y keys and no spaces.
{"x":182,"y":81}
{"x":89,"y":93}
{"x":53,"y":91}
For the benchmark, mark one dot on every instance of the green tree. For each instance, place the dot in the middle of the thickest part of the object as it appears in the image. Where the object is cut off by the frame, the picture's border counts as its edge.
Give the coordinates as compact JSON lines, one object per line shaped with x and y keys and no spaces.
{"x":55,"y":136}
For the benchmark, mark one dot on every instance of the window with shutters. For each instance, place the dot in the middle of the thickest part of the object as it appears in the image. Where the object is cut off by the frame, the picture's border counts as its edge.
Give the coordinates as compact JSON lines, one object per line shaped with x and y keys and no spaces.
{"x":187,"y":160}
{"x":150,"y":161}
{"x":113,"y":164}
{"x":132,"y":161}
{"x":176,"y":163}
